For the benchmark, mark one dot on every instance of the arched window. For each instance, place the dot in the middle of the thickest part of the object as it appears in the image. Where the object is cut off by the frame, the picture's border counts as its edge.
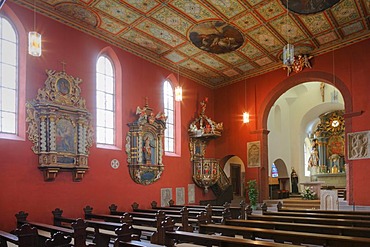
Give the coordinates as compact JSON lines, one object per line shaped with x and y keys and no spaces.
{"x":105,"y":102}
{"x":169,"y":111}
{"x":9,"y":85}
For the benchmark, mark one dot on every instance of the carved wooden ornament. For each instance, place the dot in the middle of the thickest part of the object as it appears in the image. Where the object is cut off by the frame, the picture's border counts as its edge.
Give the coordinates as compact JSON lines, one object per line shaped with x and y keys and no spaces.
{"x":59,"y":126}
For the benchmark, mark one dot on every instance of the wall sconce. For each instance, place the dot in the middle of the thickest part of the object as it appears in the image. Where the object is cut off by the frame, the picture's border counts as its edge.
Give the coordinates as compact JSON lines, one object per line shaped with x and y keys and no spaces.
{"x":245,"y":117}
{"x":34,"y":43}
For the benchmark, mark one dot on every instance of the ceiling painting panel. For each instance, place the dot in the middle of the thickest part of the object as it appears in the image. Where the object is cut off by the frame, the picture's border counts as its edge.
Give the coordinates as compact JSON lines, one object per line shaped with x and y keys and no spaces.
{"x":142,"y":5}
{"x":194,"y":9}
{"x":263,"y":61}
{"x":271,"y":10}
{"x":175,"y":57}
{"x":254,"y":2}
{"x":247,"y":21}
{"x":246,"y":67}
{"x":195,"y":67}
{"x":160,"y":33}
{"x":189,"y":49}
{"x":326,"y":38}
{"x":232,"y":58}
{"x":288,"y":29}
{"x":118,"y":11}
{"x":172,"y":20}
{"x":266,"y":39}
{"x":317,"y":23}
{"x":345,"y":11}
{"x":231,"y":72}
{"x":111,"y":25}
{"x":353,"y":28}
{"x":250,"y":50}
{"x":210,"y":62}
{"x":229,"y":8}
{"x":145,"y":42}
{"x":79,"y":13}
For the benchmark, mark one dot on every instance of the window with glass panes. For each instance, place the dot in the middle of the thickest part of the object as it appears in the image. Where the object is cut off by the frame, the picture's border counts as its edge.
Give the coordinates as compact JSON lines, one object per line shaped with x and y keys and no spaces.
{"x":8,"y":78}
{"x":105,"y":102}
{"x":169,"y":111}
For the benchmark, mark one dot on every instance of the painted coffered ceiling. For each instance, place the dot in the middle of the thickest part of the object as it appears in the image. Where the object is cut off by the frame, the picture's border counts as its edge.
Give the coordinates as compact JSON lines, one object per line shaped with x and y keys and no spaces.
{"x":161,"y":31}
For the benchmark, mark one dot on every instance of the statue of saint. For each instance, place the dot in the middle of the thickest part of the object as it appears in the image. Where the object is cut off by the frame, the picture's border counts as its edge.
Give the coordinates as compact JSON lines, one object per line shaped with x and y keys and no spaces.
{"x":294,"y":181}
{"x":313,"y":161}
{"x":147,"y":150}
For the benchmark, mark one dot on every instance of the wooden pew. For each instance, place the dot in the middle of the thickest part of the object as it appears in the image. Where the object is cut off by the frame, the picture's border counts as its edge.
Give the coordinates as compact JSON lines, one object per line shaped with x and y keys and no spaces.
{"x":180,"y":216}
{"x":280,"y":208}
{"x":316,"y":215}
{"x":172,"y":236}
{"x":284,"y":236}
{"x":77,"y":233}
{"x":151,"y":225}
{"x":195,"y":211}
{"x":24,"y":236}
{"x":312,"y":228}
{"x":103,"y":232}
{"x":307,"y":220}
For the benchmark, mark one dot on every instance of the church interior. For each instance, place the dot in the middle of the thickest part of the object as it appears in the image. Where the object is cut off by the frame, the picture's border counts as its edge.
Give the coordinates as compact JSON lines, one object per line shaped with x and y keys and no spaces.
{"x":122,"y":102}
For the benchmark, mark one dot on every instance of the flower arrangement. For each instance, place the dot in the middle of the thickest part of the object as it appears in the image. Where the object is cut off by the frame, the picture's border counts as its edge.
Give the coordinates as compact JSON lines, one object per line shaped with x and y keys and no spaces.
{"x":309,"y":194}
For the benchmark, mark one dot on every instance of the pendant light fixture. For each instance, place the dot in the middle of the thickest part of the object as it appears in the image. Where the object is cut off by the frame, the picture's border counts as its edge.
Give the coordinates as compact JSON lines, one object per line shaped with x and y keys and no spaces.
{"x":34,"y":38}
{"x":245,"y":113}
{"x":288,"y":50}
{"x":178,"y":89}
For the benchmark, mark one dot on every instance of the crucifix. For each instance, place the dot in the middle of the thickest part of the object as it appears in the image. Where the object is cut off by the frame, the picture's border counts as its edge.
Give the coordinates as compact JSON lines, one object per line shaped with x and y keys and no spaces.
{"x":322,"y":91}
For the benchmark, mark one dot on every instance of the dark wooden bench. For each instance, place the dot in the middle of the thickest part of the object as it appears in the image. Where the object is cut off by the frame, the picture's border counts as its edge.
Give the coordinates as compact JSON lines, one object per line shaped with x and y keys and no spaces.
{"x":315,"y":215}
{"x":181,"y":217}
{"x":77,"y":232}
{"x":310,"y":220}
{"x":24,"y":236}
{"x":151,"y":226}
{"x":281,"y":236}
{"x":280,"y":208}
{"x":299,"y":227}
{"x":179,"y":237}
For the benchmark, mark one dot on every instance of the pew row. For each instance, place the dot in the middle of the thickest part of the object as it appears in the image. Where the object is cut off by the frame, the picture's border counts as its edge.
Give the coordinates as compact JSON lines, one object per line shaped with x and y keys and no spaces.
{"x":24,"y":236}
{"x":149,"y":226}
{"x":181,"y":216}
{"x":77,"y":232}
{"x":284,"y":236}
{"x":315,"y":214}
{"x":280,"y":208}
{"x":181,"y":238}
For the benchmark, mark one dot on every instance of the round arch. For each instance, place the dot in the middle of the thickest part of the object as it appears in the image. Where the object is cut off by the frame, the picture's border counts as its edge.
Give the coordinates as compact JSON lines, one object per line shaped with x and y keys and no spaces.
{"x":268,"y":102}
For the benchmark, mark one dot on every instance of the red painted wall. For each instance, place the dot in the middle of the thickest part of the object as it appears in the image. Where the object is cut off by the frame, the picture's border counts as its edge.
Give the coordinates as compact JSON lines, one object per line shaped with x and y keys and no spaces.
{"x":22,"y":183}
{"x":351,"y":68}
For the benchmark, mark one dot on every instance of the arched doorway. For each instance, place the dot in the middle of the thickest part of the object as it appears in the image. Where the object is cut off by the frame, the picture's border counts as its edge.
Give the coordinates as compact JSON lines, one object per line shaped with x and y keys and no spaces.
{"x":268,"y":103}
{"x":293,"y":121}
{"x":235,"y":170}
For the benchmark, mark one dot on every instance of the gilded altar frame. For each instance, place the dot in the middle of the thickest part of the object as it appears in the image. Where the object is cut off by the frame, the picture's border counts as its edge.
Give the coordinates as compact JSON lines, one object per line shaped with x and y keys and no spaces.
{"x":144,"y":146}
{"x":59,"y":126}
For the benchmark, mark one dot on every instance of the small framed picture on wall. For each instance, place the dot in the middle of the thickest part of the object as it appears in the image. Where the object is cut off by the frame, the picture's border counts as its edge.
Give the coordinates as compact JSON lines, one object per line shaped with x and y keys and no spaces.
{"x":253,"y":154}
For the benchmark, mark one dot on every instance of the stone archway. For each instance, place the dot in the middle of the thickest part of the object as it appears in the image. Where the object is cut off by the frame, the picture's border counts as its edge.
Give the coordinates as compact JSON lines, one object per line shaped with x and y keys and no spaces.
{"x":268,"y":102}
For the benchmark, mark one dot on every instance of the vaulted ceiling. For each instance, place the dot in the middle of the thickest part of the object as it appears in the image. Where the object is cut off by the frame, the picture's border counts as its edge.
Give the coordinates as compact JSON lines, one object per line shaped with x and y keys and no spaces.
{"x":182,"y":35}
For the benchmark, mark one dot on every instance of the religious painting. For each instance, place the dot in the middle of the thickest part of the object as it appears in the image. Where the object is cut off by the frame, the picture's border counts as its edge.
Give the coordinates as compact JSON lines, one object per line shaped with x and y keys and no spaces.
{"x":144,"y":146}
{"x":336,"y":145}
{"x":307,"y":7}
{"x":66,"y":136}
{"x":216,"y":37}
{"x":166,"y":196}
{"x":253,"y":154}
{"x":359,"y":145}
{"x":191,"y":193}
{"x":59,"y":126}
{"x":180,"y":196}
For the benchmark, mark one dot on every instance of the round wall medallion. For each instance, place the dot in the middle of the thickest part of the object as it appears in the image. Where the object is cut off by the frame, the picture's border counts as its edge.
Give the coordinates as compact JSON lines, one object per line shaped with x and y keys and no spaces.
{"x":216,"y":37}
{"x":114,"y":163}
